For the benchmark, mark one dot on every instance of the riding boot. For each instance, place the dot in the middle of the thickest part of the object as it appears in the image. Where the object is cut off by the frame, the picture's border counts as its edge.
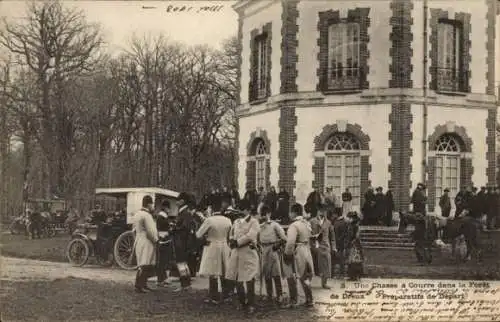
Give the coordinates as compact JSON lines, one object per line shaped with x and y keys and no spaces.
{"x":269,"y":288}
{"x":292,"y":289}
{"x":324,"y":282}
{"x":213,"y":288}
{"x":140,"y":281}
{"x":251,"y":294}
{"x":278,"y":286}
{"x":227,"y":288}
{"x":240,"y":288}
{"x":306,"y":285}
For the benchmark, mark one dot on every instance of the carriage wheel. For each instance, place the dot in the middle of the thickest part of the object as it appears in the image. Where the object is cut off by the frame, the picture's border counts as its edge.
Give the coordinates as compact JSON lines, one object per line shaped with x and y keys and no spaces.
{"x":78,"y":252}
{"x":124,"y":251}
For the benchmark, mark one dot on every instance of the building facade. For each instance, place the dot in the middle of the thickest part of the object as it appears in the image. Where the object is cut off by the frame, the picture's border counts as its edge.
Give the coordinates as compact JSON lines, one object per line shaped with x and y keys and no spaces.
{"x":347,"y":94}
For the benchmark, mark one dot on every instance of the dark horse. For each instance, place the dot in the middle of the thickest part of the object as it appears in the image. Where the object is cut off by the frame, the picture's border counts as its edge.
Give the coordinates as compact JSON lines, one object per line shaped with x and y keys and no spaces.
{"x":452,"y":230}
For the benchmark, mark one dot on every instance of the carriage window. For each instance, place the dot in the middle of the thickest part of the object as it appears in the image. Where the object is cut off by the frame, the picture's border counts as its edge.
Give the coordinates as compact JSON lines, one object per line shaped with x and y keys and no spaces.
{"x":342,"y":166}
{"x":447,"y":170}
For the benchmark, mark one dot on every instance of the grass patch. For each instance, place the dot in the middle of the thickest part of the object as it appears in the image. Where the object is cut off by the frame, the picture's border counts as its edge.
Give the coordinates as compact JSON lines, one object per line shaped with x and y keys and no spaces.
{"x":73,"y":299}
{"x":49,"y":249}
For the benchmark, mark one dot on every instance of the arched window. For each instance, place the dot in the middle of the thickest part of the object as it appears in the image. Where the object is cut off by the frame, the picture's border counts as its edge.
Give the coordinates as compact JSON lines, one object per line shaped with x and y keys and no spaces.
{"x":342,"y":165}
{"x":447,"y":171}
{"x":261,"y":154}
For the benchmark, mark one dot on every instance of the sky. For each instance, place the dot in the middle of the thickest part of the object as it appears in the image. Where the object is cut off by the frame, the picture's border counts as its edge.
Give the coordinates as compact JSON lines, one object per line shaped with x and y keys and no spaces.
{"x":120,"y":20}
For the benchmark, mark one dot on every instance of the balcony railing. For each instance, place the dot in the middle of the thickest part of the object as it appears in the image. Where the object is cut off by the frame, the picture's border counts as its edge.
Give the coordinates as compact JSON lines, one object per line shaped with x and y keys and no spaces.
{"x":450,"y":80}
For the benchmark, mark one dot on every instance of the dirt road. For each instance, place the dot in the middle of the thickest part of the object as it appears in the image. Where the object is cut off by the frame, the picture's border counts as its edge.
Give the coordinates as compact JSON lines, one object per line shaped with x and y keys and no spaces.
{"x":27,"y":269}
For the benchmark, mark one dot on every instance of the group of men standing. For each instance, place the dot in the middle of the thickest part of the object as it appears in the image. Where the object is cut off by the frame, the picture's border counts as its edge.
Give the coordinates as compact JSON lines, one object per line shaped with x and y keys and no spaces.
{"x":486,"y":201}
{"x":238,"y":247}
{"x":330,"y":201}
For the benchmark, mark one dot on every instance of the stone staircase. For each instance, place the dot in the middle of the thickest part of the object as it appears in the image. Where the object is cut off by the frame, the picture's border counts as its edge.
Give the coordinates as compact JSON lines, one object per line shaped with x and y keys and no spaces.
{"x":377,"y":237}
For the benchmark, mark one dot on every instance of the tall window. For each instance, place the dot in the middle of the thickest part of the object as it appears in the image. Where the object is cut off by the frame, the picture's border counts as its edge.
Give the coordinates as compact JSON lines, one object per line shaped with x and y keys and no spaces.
{"x":343,"y":56}
{"x":261,"y":67}
{"x":447,"y":172}
{"x":342,"y":165}
{"x":450,"y":74}
{"x":260,"y":164}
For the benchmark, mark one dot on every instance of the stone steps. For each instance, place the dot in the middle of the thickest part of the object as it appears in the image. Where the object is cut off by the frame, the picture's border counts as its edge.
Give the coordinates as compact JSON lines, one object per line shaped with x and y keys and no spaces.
{"x":385,"y":238}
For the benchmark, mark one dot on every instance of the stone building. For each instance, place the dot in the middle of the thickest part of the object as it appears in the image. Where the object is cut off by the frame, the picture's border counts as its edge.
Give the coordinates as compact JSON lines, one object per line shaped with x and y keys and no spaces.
{"x":348,"y":93}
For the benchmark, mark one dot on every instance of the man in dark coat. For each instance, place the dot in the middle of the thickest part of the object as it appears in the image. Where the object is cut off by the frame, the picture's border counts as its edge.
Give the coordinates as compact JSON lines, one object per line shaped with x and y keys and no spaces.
{"x":481,"y":202}
{"x":235,"y":197}
{"x":389,"y":207}
{"x":185,"y":242}
{"x":445,"y":203}
{"x":251,"y":197}
{"x":419,"y":199}
{"x":164,"y":247}
{"x":459,"y":201}
{"x":424,"y":235}
{"x":313,"y":201}
{"x":272,"y":201}
{"x":467,"y":201}
{"x":379,"y":211}
{"x":283,"y":207}
{"x":369,"y":205}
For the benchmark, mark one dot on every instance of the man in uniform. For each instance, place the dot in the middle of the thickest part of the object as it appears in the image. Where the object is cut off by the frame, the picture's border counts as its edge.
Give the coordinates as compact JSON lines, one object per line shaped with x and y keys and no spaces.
{"x":271,"y":238}
{"x":326,"y":244}
{"x":445,"y":203}
{"x":243,"y":262}
{"x":146,"y":237}
{"x":297,"y":257}
{"x":164,"y":254}
{"x":419,"y":199}
{"x":214,"y":231}
{"x":183,"y":234}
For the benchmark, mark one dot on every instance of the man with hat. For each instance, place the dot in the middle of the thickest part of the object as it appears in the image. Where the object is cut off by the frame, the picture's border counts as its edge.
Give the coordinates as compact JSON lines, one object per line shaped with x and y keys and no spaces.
{"x":324,"y":233}
{"x":445,"y":203}
{"x":183,"y":239}
{"x":271,"y":238}
{"x":146,"y":237}
{"x":380,"y":206}
{"x":214,"y":231}
{"x":164,"y":247}
{"x":419,"y":199}
{"x":243,"y":261}
{"x":297,"y":258}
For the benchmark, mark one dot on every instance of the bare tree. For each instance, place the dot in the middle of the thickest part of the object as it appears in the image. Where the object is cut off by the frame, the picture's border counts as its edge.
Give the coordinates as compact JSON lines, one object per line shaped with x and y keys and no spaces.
{"x":56,"y":44}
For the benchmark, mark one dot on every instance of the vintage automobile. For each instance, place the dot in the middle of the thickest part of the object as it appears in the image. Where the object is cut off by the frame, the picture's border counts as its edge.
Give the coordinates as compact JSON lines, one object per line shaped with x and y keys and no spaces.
{"x":111,"y":239}
{"x":53,"y":214}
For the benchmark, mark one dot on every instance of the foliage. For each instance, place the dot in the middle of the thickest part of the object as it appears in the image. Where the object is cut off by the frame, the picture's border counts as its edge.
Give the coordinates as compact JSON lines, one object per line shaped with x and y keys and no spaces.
{"x":160,"y":114}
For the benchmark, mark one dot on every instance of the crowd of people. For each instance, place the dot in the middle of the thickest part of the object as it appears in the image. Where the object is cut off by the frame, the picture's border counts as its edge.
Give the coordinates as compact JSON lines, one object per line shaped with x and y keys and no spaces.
{"x":241,"y":240}
{"x":377,"y":207}
{"x":477,"y":202}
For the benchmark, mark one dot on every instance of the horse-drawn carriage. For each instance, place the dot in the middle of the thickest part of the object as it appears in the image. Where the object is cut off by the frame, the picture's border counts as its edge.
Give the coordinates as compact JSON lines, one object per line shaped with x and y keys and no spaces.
{"x":112,"y":239}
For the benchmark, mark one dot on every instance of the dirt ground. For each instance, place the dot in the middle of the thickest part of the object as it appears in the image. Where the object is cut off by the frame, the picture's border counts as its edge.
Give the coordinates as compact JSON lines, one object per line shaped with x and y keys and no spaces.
{"x":379,"y":263}
{"x":34,"y":290}
{"x":46,"y":291}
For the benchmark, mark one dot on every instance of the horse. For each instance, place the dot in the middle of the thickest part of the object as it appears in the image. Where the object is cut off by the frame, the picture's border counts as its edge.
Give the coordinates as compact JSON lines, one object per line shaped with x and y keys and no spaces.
{"x":453,"y":230}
